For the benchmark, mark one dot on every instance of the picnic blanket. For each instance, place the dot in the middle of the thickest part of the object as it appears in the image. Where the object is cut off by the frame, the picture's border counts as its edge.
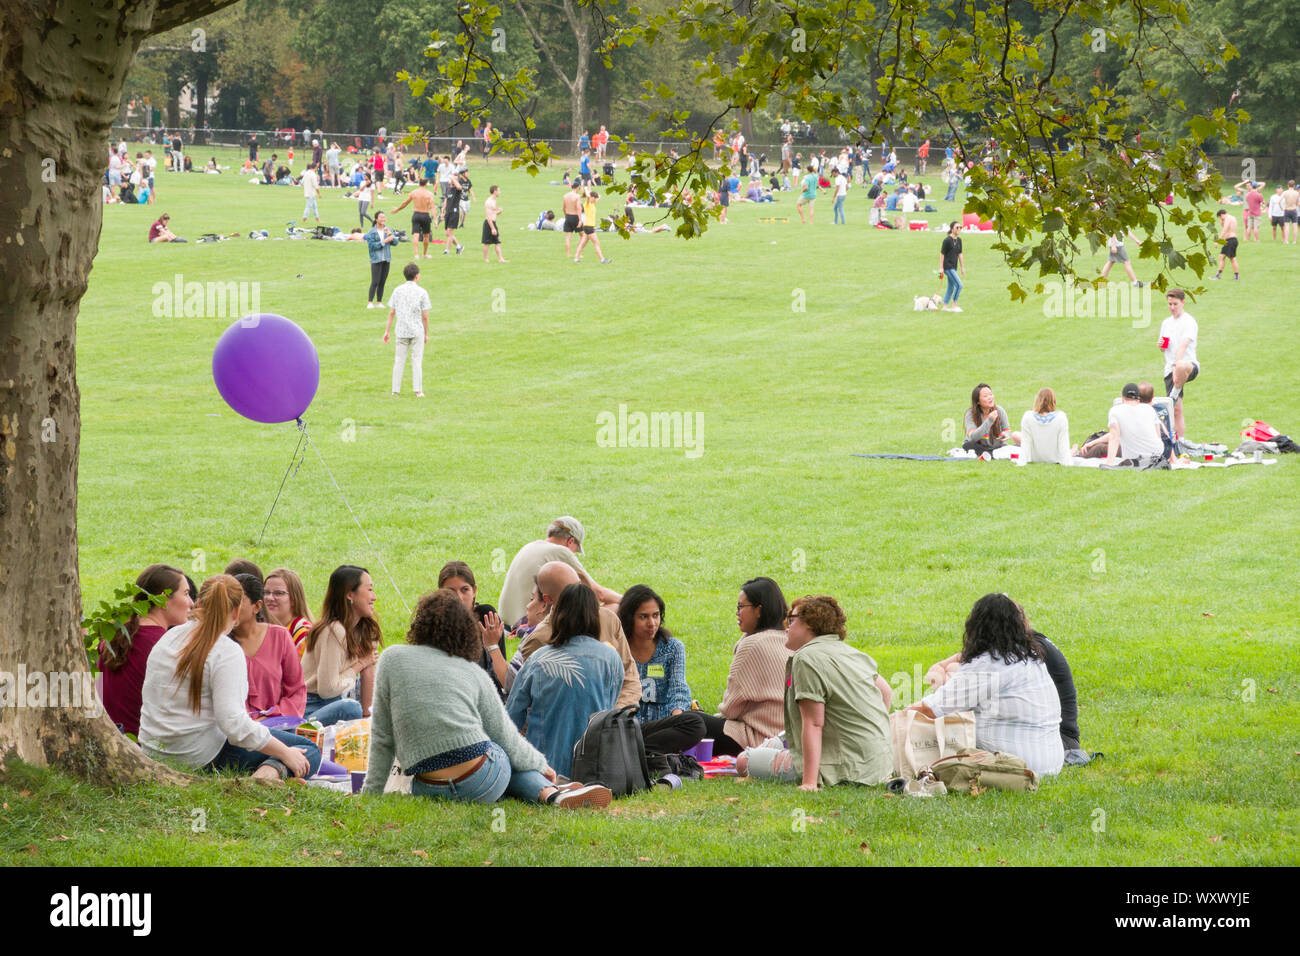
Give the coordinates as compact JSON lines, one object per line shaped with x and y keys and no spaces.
{"x":911,"y":457}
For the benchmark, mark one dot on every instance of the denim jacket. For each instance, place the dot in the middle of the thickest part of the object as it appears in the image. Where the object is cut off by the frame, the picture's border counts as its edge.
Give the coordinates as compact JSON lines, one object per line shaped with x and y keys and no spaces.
{"x":557,"y":691}
{"x":380,"y":251}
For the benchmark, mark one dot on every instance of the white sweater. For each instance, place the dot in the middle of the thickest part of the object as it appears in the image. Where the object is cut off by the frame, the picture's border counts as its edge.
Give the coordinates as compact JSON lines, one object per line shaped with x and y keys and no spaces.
{"x":170,"y":729}
{"x":1045,"y":440}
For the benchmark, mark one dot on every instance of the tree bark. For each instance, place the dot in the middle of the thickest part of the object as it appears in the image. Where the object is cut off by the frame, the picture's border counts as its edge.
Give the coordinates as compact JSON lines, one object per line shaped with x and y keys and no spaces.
{"x":201,"y":106}
{"x":366,"y":110}
{"x":1283,"y":148}
{"x":331,"y":110}
{"x":62,"y":66}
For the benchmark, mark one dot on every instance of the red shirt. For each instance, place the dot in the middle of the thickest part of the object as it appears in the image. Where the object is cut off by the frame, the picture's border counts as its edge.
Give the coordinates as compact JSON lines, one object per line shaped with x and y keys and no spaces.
{"x":123,"y":688}
{"x":156,"y":230}
{"x":1255,"y":202}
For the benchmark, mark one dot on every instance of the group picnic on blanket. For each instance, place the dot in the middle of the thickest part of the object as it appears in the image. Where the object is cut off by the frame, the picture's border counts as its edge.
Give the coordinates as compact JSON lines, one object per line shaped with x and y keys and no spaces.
{"x":236,"y":675}
{"x":1142,"y":431}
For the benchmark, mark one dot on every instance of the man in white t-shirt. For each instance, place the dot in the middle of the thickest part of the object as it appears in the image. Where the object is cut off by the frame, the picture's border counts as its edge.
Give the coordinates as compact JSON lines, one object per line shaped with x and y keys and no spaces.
{"x":409,"y":305}
{"x":310,"y":190}
{"x":841,"y":191}
{"x":1178,"y":335}
{"x":908,"y":202}
{"x":1134,"y":431}
{"x":1276,"y":215}
{"x":563,"y":542}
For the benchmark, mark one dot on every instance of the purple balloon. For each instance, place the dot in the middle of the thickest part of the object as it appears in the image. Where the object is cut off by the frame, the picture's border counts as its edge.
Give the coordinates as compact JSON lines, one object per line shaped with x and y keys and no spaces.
{"x":266,"y":368}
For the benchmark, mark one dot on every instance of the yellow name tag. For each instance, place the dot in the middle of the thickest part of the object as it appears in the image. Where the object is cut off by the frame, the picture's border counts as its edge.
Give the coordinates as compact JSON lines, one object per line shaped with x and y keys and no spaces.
{"x":654,"y":670}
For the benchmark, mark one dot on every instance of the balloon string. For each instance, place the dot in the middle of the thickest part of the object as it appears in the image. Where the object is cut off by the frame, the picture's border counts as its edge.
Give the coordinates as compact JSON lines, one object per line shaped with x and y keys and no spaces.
{"x":378,"y":555}
{"x":302,"y":430}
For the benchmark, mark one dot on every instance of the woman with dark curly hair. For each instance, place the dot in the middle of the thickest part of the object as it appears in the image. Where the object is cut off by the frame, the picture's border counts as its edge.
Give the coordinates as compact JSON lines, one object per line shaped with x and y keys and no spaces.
{"x":1004,"y":679}
{"x":561,"y":685}
{"x":437,"y":713}
{"x":836,"y":707}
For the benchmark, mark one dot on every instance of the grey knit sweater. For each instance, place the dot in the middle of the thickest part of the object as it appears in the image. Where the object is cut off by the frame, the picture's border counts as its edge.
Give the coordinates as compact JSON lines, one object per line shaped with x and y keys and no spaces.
{"x":427,"y":703}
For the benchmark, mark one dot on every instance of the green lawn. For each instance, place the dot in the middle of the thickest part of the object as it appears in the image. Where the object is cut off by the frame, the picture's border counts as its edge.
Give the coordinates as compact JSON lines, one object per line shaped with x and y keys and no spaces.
{"x":1168,"y":592}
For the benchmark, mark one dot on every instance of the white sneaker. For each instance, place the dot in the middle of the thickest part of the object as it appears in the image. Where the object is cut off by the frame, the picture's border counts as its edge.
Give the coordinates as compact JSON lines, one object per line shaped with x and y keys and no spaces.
{"x":955,"y":308}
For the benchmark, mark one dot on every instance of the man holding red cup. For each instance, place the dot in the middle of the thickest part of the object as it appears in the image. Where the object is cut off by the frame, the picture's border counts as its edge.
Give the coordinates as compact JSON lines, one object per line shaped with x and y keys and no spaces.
{"x":1178,"y":334}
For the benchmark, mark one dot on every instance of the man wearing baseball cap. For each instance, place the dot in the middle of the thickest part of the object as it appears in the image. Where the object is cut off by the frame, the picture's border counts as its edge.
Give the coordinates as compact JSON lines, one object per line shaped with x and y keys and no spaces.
{"x":563,"y":542}
{"x":1134,"y":432}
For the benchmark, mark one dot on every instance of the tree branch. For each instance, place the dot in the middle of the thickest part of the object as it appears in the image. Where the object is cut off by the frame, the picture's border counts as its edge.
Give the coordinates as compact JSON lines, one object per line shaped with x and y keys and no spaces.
{"x":174,"y":13}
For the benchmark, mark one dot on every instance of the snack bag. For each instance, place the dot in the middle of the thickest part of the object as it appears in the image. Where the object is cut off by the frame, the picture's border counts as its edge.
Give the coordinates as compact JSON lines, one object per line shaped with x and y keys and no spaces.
{"x":352,"y":743}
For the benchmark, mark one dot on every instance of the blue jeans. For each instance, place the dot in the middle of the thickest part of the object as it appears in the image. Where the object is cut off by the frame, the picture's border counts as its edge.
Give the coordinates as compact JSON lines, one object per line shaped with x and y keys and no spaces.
{"x":954,"y":286}
{"x":839,"y":210}
{"x":331,"y":711}
{"x":237,"y":758}
{"x":952,"y":191}
{"x":488,"y":782}
{"x":311,"y":208}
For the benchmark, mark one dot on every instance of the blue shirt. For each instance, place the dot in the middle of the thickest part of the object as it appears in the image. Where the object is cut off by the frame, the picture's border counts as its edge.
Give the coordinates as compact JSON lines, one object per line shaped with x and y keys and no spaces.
{"x":430,"y":169}
{"x":584,"y":167}
{"x":663,"y":681}
{"x":584,"y":142}
{"x":557,"y":691}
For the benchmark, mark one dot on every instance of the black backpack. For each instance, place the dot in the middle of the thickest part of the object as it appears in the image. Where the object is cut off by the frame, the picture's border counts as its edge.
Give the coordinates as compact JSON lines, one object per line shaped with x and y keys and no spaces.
{"x":874,"y":191}
{"x":611,"y":752}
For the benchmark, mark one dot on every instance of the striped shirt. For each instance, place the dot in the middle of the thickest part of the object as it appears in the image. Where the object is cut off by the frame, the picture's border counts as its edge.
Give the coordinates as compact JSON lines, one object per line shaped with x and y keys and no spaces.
{"x":754,"y":701}
{"x":1017,"y":709}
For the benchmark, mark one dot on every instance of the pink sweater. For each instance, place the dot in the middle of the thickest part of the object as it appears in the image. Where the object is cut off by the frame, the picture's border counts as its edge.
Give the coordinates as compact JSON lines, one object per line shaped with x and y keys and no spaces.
{"x":275,"y":681}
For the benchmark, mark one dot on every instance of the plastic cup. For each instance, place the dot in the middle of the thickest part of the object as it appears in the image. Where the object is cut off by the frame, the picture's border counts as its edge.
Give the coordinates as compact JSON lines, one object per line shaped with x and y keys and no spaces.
{"x":702,"y":751}
{"x":358,"y":780}
{"x":1209,"y":457}
{"x":1164,"y":342}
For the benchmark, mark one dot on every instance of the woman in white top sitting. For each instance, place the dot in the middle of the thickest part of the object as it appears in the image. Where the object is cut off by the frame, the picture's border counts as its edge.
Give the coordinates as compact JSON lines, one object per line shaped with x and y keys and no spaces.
{"x":1045,"y":431}
{"x":1003,"y":678}
{"x":342,"y":647}
{"x":195,"y":688}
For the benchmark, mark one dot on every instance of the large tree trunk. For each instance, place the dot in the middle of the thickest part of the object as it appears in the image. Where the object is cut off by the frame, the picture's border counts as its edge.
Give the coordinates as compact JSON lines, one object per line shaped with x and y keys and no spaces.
{"x":331,"y":111}
{"x":62,"y":65}
{"x":201,"y":106}
{"x":173,"y":101}
{"x":578,"y":90}
{"x":366,"y":110}
{"x":1283,"y":148}
{"x":603,"y":79}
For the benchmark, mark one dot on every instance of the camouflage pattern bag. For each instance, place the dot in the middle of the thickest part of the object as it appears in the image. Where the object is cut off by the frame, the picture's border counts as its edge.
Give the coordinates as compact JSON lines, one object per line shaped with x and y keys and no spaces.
{"x":980,"y":768}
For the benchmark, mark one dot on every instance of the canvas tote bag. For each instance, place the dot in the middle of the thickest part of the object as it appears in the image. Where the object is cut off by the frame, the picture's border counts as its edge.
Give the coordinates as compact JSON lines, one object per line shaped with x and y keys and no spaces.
{"x":919,"y":740}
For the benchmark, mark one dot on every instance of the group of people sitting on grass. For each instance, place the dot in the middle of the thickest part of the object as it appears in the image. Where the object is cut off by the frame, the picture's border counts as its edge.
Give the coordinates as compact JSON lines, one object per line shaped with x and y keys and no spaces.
{"x":1139,"y":432}
{"x":197,"y":677}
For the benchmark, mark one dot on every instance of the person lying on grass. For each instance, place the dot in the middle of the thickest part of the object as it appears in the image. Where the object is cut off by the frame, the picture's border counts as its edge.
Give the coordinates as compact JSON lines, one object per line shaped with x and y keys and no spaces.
{"x":437,"y":712}
{"x":836,"y":707}
{"x":195,"y":689}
